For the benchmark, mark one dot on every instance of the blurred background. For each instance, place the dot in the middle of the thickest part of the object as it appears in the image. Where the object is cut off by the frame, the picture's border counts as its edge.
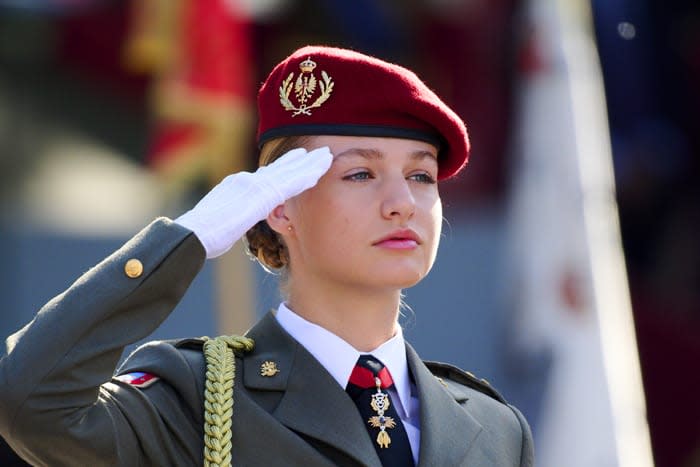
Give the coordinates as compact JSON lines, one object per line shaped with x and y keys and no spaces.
{"x":569,"y":269}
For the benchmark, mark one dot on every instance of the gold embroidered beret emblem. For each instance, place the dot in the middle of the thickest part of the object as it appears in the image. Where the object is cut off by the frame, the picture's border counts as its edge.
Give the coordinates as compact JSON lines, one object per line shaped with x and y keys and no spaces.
{"x":269,"y":368}
{"x":305,"y":88}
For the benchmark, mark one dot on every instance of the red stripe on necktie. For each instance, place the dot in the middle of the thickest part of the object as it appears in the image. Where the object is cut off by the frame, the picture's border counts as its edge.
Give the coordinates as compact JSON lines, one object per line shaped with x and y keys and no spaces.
{"x":364,"y":377}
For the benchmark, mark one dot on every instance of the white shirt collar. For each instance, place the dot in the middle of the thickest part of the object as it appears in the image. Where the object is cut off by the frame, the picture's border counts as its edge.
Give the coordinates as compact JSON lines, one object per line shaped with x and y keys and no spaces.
{"x":338,"y":357}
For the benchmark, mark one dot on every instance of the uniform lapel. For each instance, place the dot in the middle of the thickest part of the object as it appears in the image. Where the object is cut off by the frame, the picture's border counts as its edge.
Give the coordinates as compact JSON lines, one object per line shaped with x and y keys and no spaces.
{"x":312,"y":402}
{"x":447,"y":430}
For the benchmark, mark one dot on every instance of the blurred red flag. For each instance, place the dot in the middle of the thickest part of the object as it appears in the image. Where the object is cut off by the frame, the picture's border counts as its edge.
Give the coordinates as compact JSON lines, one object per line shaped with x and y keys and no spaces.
{"x":199,"y":54}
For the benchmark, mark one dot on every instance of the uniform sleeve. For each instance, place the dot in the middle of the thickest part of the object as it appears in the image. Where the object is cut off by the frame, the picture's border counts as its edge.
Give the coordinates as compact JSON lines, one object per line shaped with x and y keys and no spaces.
{"x":527,"y":452}
{"x":57,"y":406}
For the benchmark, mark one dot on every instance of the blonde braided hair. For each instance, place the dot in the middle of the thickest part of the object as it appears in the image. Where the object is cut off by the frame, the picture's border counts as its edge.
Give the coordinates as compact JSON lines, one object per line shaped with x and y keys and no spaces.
{"x":218,"y":396}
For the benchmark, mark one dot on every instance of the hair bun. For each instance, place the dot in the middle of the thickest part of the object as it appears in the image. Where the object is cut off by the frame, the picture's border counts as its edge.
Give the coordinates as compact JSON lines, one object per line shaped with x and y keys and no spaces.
{"x":265,"y":245}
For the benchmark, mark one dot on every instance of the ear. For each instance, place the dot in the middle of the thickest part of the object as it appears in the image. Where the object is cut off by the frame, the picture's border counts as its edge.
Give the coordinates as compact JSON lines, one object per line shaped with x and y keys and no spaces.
{"x":278,"y":220}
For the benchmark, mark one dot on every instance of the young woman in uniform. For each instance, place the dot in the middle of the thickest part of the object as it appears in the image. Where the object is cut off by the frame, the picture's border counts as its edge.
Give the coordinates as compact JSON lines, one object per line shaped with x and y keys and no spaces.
{"x":346,"y":205}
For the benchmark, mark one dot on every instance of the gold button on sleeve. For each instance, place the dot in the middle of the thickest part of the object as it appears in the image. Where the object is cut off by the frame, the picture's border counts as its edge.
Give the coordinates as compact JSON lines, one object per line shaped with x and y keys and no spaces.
{"x":133,"y":268}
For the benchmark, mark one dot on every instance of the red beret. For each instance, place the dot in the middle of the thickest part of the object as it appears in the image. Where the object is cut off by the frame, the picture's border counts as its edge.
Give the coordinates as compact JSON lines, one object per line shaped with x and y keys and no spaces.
{"x":329,"y":91}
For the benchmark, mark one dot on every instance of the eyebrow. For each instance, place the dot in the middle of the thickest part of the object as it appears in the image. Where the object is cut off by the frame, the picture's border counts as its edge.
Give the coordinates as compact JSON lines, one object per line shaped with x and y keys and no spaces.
{"x":369,"y":153}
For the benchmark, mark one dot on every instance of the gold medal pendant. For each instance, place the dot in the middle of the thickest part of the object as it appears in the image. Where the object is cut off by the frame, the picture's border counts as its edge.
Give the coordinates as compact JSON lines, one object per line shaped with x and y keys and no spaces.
{"x":383,"y":439}
{"x":380,"y":403}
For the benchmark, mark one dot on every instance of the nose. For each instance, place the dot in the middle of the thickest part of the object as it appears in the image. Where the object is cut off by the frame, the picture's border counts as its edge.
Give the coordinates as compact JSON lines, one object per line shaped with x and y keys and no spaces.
{"x":397,"y":200}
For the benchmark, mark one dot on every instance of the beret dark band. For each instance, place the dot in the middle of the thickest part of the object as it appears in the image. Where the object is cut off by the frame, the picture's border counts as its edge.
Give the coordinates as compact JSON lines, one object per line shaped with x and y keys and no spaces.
{"x":329,"y":91}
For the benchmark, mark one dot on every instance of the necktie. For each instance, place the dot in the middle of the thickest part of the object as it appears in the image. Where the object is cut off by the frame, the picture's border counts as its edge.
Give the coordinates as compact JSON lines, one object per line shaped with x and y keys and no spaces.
{"x":368,"y":386}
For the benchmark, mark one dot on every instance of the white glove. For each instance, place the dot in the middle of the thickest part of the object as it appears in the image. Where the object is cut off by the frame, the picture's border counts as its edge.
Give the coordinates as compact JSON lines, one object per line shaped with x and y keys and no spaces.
{"x":243,"y":199}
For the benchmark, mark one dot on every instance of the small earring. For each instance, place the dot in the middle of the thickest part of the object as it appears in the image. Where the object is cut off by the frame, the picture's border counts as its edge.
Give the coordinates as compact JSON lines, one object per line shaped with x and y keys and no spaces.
{"x":289,"y":228}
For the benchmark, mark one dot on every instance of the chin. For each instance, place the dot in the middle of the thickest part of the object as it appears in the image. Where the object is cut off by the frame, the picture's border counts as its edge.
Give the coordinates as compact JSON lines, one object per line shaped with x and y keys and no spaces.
{"x":401,"y":279}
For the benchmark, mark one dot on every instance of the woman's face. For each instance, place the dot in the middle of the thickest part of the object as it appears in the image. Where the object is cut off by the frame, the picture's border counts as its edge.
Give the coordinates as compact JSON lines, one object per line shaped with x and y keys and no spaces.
{"x":373,"y":220}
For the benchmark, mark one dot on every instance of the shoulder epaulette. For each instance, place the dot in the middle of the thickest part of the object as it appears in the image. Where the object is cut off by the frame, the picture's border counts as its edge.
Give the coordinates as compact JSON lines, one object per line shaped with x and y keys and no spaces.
{"x":453,"y":373}
{"x":195,"y":343}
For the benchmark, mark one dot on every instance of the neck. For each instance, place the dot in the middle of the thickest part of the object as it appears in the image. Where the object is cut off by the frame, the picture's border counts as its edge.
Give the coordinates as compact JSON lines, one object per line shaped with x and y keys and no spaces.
{"x":364,"y":319}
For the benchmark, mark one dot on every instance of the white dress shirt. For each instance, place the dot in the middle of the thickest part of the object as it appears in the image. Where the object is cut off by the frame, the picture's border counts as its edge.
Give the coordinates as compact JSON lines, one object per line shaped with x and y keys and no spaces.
{"x":339,"y":358}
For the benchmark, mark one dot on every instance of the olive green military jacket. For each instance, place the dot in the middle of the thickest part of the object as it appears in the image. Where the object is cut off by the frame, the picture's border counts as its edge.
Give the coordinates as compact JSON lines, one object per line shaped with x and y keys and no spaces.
{"x":60,"y":405}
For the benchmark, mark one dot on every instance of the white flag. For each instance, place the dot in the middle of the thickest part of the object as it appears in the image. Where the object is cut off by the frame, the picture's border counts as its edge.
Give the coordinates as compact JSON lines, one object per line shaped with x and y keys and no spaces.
{"x":571,"y":295}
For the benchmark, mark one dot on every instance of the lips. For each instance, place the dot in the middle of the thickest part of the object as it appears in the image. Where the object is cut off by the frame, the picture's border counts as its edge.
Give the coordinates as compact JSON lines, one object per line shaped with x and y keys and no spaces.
{"x":399,"y":239}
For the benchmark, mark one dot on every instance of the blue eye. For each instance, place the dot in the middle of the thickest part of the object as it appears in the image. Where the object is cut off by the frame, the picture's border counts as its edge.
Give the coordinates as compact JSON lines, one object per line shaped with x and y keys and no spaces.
{"x":423,"y":177}
{"x":358,"y":176}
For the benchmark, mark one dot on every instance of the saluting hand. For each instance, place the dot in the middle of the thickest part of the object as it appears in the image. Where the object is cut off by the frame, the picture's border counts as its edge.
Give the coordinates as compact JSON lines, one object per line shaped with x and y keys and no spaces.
{"x":243,"y":199}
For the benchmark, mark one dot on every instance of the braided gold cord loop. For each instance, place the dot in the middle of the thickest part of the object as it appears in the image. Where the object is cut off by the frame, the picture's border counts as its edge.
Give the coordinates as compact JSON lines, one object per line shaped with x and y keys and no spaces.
{"x":219,"y":354}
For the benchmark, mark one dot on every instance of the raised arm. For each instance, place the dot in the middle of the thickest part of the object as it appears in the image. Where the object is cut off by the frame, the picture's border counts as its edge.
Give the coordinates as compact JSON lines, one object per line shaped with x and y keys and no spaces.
{"x":57,"y":406}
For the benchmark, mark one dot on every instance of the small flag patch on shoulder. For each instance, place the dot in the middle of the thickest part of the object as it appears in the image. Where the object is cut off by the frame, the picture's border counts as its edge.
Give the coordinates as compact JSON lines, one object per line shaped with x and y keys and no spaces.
{"x":138,"y":379}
